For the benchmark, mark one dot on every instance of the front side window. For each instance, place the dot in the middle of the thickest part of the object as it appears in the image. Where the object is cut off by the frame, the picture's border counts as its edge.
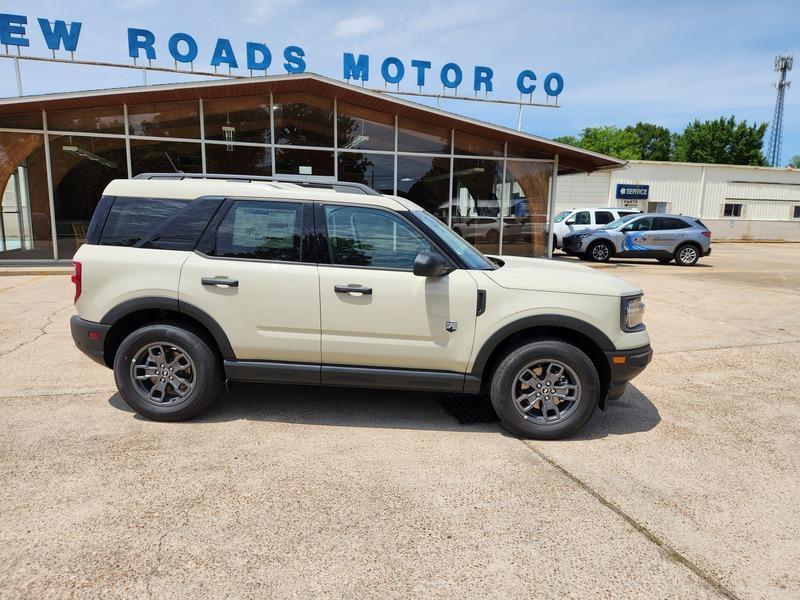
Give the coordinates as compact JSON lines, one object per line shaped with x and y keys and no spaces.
{"x":582,"y":218}
{"x":370,"y":237}
{"x":562,"y":215}
{"x":643,"y":224}
{"x":260,"y":230}
{"x":618,"y":222}
{"x":603,"y":217}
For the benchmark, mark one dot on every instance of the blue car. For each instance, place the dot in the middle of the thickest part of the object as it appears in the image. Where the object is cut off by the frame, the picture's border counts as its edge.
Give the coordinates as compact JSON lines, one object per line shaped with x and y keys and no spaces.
{"x":663,"y":237}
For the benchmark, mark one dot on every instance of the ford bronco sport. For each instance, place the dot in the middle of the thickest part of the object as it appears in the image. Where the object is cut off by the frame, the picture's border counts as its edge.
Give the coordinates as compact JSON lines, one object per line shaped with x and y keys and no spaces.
{"x":184,"y":282}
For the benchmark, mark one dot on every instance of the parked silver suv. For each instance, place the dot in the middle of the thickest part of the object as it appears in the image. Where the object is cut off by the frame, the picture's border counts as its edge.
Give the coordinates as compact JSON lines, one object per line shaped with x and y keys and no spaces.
{"x":663,"y":237}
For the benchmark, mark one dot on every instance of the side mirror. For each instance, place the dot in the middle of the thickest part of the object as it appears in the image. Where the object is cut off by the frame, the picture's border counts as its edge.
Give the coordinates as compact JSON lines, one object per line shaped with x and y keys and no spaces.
{"x":570,"y":222}
{"x":430,"y":264}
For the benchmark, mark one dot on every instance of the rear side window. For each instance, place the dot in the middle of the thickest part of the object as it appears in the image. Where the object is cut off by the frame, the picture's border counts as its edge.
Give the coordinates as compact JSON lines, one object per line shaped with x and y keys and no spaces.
{"x":184,"y":228}
{"x":132,"y":220}
{"x":664,"y":223}
{"x":260,"y":230}
{"x":602,"y":217}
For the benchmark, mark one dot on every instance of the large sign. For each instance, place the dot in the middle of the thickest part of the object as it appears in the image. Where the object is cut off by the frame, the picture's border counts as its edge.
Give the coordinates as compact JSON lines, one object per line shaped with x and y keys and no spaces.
{"x":256,"y":56}
{"x":628,"y":191}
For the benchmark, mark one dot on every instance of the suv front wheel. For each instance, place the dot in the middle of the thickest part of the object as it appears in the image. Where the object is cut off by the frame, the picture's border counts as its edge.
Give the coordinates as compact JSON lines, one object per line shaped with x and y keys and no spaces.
{"x":167,"y":373}
{"x":545,"y":390}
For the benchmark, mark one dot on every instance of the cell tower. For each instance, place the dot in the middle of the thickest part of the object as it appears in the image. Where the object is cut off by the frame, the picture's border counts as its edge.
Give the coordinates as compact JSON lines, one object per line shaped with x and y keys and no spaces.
{"x":783,"y":64}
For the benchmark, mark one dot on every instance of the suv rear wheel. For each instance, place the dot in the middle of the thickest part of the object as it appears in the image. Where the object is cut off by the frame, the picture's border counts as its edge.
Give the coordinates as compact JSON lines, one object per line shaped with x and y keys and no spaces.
{"x":167,"y":373}
{"x":545,"y":390}
{"x":687,"y":255}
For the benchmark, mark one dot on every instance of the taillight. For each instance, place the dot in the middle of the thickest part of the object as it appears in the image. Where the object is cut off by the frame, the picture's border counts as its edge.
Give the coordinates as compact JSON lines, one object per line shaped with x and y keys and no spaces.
{"x":77,"y":279}
{"x":707,"y":234}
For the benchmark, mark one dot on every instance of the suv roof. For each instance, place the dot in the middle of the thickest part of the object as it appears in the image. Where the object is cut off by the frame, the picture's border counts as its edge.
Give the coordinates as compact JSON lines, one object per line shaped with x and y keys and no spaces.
{"x":181,"y":186}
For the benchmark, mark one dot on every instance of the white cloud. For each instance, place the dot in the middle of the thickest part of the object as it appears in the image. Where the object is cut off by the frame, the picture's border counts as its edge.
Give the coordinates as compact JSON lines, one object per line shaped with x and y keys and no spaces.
{"x":356,"y":26}
{"x":260,"y":10}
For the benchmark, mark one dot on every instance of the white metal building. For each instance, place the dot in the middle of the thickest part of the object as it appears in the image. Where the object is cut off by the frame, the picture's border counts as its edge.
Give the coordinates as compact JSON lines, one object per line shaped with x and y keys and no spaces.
{"x":735,"y":202}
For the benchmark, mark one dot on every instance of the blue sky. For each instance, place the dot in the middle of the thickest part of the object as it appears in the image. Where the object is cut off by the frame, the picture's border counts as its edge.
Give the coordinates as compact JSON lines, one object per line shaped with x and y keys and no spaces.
{"x":622,"y":62}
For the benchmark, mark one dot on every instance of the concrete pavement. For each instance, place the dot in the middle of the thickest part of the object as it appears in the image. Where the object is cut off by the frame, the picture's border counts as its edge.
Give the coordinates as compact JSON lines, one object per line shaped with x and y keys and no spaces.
{"x":685,"y":487}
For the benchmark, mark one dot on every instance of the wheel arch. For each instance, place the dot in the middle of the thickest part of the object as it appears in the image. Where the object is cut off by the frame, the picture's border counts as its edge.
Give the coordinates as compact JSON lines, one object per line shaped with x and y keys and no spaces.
{"x":608,"y":241}
{"x":579,"y":333}
{"x":132,"y":314}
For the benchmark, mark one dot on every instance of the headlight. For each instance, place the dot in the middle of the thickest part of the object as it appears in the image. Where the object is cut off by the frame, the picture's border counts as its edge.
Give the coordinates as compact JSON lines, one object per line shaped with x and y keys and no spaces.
{"x":632,"y":314}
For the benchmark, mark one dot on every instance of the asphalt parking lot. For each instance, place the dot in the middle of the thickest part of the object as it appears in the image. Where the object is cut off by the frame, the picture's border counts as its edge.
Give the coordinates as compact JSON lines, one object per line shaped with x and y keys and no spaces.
{"x":685,"y":487}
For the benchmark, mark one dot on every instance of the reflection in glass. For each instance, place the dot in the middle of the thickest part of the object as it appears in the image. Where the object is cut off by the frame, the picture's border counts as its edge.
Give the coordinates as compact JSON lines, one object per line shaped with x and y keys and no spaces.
{"x":81,"y":169}
{"x":477,"y":189}
{"x":238,"y":160}
{"x":477,"y":146}
{"x":26,"y":121}
{"x":293,"y":161}
{"x":165,"y":119}
{"x":303,"y":120}
{"x":364,"y":129}
{"x":107,"y":119}
{"x":165,"y":157}
{"x":525,"y":208}
{"x":374,"y":170}
{"x":515,"y":151}
{"x":25,"y":222}
{"x":425,"y":181}
{"x":414,"y":136}
{"x":240,"y":119}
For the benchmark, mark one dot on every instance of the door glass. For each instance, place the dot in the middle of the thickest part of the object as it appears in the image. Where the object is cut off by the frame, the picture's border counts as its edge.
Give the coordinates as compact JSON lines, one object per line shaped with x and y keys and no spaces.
{"x":370,"y":237}
{"x":601,"y":217}
{"x":258,"y":230}
{"x":664,"y":223}
{"x":645,"y":224}
{"x":582,"y":218}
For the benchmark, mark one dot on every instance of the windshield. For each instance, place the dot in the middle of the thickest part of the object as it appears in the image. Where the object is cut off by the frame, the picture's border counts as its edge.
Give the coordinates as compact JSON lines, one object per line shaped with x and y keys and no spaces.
{"x":619,"y":222}
{"x":471,"y":257}
{"x":562,"y":215}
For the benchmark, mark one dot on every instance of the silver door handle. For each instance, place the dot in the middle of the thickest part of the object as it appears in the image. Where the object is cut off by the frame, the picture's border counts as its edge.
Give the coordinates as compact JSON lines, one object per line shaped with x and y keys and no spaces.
{"x":220,"y":282}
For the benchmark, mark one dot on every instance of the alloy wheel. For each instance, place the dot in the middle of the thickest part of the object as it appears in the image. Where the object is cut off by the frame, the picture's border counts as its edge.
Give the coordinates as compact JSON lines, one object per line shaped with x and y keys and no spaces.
{"x":687,"y":255}
{"x":546,"y":391}
{"x":163,"y":373}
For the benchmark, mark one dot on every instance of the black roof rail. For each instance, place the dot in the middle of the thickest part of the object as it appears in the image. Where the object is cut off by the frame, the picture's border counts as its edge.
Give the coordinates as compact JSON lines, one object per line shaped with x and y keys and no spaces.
{"x":337,"y":186}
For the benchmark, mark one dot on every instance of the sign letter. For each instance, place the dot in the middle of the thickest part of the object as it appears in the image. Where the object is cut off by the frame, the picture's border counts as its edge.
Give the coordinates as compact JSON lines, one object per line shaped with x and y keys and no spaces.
{"x":258,"y":64}
{"x":523,"y":86}
{"x":294,"y":59}
{"x":483,"y":77}
{"x":59,"y":35}
{"x":457,"y":75}
{"x":421,"y":66}
{"x":553,"y":84}
{"x":141,"y":39}
{"x":400,"y":70}
{"x":223,"y":53}
{"x":12,"y":30}
{"x":355,"y":69}
{"x":191,"y":47}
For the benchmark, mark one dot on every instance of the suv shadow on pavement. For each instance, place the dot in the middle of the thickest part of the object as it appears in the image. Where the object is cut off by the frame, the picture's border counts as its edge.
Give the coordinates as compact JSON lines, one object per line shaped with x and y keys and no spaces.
{"x":392,"y":409}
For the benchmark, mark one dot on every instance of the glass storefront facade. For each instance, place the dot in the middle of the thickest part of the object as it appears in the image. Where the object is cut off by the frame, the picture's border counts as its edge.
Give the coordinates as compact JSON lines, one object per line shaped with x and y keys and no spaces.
{"x":54,"y":165}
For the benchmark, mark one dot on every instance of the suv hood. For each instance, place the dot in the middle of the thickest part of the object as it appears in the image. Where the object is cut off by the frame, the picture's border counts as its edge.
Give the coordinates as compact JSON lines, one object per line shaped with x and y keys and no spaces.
{"x":539,"y":274}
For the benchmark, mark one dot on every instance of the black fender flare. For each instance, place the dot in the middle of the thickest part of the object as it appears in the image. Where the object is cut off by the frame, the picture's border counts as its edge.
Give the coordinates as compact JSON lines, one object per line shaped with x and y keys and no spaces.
{"x":174,"y":305}
{"x":560,"y":321}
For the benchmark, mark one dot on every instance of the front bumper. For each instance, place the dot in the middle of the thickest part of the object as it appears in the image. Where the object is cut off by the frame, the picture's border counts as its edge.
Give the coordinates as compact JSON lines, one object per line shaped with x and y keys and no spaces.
{"x":624,"y":366}
{"x":89,"y":337}
{"x":573,"y":244}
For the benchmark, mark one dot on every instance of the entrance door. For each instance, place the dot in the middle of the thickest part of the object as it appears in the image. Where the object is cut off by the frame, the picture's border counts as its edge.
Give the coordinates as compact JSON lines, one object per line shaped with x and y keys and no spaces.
{"x":256,"y":285}
{"x":375,"y":311}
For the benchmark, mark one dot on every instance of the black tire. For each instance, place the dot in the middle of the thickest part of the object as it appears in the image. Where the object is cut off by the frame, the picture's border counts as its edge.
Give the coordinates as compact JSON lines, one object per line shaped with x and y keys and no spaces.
{"x":204,"y":373}
{"x":687,"y":255}
{"x":600,"y":251}
{"x":664,"y":261}
{"x":505,"y":382}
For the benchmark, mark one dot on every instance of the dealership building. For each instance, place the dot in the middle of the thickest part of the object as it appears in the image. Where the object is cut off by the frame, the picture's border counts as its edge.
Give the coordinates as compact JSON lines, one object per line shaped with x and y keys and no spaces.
{"x":59,"y":151}
{"x":493,"y":185}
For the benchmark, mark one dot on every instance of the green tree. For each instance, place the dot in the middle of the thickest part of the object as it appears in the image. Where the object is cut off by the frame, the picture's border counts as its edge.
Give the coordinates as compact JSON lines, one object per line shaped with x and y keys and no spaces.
{"x":653,"y":142}
{"x":721,"y":141}
{"x":794,"y":162}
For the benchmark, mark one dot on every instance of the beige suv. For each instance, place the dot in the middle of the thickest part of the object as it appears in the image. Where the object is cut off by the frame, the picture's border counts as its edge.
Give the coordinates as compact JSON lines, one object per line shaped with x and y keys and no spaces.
{"x":184,"y":282}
